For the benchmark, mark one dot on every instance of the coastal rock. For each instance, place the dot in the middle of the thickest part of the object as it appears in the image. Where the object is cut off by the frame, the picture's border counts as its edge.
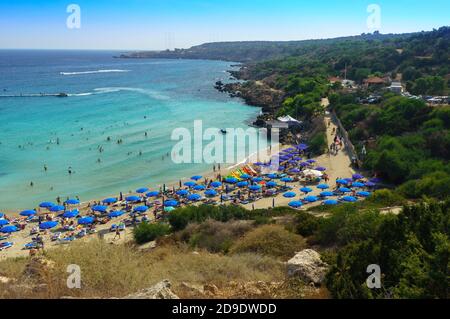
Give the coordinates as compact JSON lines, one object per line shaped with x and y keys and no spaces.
{"x":147,"y":246}
{"x":38,"y":267}
{"x":308,"y":266}
{"x":192,"y":290}
{"x":161,"y":290}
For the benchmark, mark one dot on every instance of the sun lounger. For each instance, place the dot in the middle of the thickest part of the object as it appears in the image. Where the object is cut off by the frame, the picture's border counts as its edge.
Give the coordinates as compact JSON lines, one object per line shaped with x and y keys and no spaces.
{"x":6,"y":236}
{"x":65,"y":240}
{"x":32,"y":245}
{"x":6,"y":245}
{"x":55,"y":236}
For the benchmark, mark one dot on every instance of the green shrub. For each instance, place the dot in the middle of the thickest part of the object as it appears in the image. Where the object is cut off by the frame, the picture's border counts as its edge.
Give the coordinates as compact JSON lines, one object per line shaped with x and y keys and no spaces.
{"x":306,"y":224}
{"x":146,"y":232}
{"x":386,"y":197}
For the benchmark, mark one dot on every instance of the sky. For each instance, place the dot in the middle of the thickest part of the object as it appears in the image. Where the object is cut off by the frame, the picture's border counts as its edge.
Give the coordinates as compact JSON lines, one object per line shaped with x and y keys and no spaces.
{"x":169,"y":24}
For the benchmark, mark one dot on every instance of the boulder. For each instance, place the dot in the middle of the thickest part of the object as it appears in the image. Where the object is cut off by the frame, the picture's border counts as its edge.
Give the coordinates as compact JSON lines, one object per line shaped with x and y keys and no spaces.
{"x":308,"y":266}
{"x":161,"y":290}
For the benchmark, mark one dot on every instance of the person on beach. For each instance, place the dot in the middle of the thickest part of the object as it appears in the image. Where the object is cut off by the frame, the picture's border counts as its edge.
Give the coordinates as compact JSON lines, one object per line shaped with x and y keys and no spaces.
{"x":117,"y":233}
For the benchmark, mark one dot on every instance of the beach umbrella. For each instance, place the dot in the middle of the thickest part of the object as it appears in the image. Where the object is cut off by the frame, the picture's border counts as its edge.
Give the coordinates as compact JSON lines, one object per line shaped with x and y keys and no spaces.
{"x":258,"y":179}
{"x":194,"y":197}
{"x":29,"y":212}
{"x":323,"y":186}
{"x":48,"y":225}
{"x":132,"y":198}
{"x":72,"y":201}
{"x":115,"y":214}
{"x":363,"y":194}
{"x":242,"y":184}
{"x":272,"y":176}
{"x":292,"y":161}
{"x":350,"y":199}
{"x":70,"y":214}
{"x":289,"y":195}
{"x":199,"y":187}
{"x":190,"y":184}
{"x":3,"y":222}
{"x":245,"y":176}
{"x":281,"y":168}
{"x":320,"y":169}
{"x":295,"y":170}
{"x":99,"y":208}
{"x":2,"y":214}
{"x":9,"y":229}
{"x":271,"y":184}
{"x":312,"y":172}
{"x":304,"y":164}
{"x":169,"y":209}
{"x":287,"y":179}
{"x":357,"y":176}
{"x":109,"y":200}
{"x":357,"y":184}
{"x":311,"y":199}
{"x":311,"y":161}
{"x":86,"y":220}
{"x":182,"y":192}
{"x":57,"y":208}
{"x":341,"y":181}
{"x":370,"y":184}
{"x":326,"y":194}
{"x":196,"y":177}
{"x":46,"y":204}
{"x":345,"y":190}
{"x":254,"y":188}
{"x":302,"y":147}
{"x":298,"y":158}
{"x":142,"y":190}
{"x":216,"y":184}
{"x":296,"y":204}
{"x":258,"y":164}
{"x":330,"y":202}
{"x":152,"y":194}
{"x":210,"y":192}
{"x":306,"y":190}
{"x":140,"y":209}
{"x":231,"y":180}
{"x":171,"y":203}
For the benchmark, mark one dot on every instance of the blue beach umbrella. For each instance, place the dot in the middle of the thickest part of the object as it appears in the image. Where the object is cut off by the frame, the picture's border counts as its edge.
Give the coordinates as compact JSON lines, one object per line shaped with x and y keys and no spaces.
{"x":29,"y":212}
{"x":210,"y":192}
{"x":3,"y":222}
{"x":70,"y":214}
{"x":110,"y":200}
{"x":140,"y":209}
{"x":302,"y":147}
{"x":375,"y":180}
{"x":295,"y":170}
{"x":72,"y":201}
{"x":46,"y":204}
{"x":272,"y":176}
{"x":306,"y":190}
{"x":326,"y":194}
{"x":258,"y":164}
{"x":287,"y":179}
{"x":132,"y":198}
{"x":323,"y":186}
{"x":295,"y":204}
{"x":258,"y":179}
{"x":254,"y":188}
{"x":152,"y":194}
{"x":9,"y":229}
{"x":199,"y":187}
{"x":311,"y":199}
{"x":357,"y":176}
{"x":330,"y":202}
{"x":245,"y":176}
{"x":231,"y":180}
{"x":345,"y":190}
{"x":2,"y":214}
{"x":169,"y":208}
{"x":370,"y":184}
{"x":182,"y":192}
{"x":171,"y":203}
{"x":99,"y":208}
{"x":357,"y":184}
{"x":142,"y":190}
{"x":242,"y":184}
{"x":289,"y":195}
{"x":271,"y":184}
{"x":190,"y":184}
{"x":86,"y":220}
{"x":320,"y":169}
{"x":194,"y":197}
{"x":350,"y":199}
{"x":342,"y":181}
{"x":311,"y":161}
{"x":304,"y":164}
{"x":363,"y":194}
{"x":57,"y":208}
{"x":281,"y":168}
{"x":115,"y":214}
{"x":216,"y":184}
{"x":48,"y":225}
{"x":196,"y":177}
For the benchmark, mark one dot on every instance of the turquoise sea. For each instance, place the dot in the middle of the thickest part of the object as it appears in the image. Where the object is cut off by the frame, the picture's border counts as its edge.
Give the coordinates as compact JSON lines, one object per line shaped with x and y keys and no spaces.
{"x":109,"y":100}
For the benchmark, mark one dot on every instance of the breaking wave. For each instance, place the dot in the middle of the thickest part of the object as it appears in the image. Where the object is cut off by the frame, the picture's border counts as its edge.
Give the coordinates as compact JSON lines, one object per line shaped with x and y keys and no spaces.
{"x":93,"y":72}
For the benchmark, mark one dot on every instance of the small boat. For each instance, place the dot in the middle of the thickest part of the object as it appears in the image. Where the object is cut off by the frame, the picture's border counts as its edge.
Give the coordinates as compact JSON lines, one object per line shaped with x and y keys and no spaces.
{"x":62,"y":95}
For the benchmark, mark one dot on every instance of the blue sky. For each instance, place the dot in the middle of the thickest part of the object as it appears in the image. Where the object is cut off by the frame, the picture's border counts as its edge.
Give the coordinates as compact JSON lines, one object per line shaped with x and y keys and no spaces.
{"x":161,"y":24}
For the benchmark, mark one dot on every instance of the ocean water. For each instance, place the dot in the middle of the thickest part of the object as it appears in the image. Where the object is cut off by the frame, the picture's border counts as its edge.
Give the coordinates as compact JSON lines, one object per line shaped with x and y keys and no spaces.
{"x":109,"y":99}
